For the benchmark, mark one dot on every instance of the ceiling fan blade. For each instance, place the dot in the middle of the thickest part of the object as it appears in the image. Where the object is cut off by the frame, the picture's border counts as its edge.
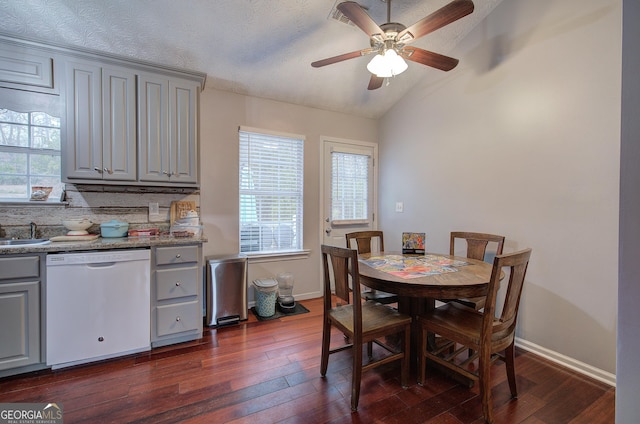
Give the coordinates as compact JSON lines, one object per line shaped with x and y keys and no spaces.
{"x":435,"y":60}
{"x":444,"y":16}
{"x":375,"y":82}
{"x":359,"y":17}
{"x":340,"y":58}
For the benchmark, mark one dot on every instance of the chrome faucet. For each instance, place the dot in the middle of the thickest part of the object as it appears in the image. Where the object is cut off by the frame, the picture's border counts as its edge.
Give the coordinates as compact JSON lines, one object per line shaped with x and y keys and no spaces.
{"x":33,"y":228}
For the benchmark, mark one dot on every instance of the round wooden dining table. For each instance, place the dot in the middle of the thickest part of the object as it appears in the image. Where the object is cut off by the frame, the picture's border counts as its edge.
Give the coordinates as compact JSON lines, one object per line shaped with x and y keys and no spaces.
{"x":469,"y":277}
{"x":417,"y":291}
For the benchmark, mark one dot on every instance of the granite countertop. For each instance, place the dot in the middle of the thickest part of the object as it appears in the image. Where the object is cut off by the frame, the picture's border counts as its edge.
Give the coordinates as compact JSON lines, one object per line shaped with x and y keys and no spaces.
{"x":102,"y":244}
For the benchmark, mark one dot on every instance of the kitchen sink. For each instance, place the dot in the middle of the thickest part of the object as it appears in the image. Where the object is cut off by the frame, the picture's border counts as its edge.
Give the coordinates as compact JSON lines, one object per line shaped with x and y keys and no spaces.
{"x":23,"y":242}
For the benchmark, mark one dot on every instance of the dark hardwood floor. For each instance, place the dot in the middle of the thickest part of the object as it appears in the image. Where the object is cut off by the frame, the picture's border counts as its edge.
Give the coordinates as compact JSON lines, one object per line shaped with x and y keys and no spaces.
{"x":267,"y":372}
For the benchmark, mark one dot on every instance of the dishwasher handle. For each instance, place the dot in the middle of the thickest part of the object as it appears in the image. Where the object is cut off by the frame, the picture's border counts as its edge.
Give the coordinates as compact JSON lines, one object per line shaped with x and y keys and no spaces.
{"x":100,"y":265}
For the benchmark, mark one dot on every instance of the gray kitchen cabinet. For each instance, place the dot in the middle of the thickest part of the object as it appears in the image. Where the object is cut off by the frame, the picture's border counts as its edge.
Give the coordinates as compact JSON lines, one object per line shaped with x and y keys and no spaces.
{"x":103,"y":101}
{"x":100,"y":123}
{"x":27,"y":68}
{"x":167,"y":119}
{"x":21,"y":288}
{"x":176,"y":294}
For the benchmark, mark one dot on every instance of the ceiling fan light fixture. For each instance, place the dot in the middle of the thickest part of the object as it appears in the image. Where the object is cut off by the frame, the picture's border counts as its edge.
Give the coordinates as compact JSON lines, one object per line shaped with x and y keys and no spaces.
{"x":387,"y":64}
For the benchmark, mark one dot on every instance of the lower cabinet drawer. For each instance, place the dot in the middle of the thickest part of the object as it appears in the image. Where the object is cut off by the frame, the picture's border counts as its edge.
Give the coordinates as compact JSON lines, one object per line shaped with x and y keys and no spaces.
{"x":177,"y":318}
{"x":20,"y":267}
{"x":176,"y":282}
{"x":176,"y":255}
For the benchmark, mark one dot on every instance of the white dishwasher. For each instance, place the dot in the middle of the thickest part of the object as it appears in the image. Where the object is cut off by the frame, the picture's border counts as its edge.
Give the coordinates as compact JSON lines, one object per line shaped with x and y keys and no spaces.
{"x":98,"y":305}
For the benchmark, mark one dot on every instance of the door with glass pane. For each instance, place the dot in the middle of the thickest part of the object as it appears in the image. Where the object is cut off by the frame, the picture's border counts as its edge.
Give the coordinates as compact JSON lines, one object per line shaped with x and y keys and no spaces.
{"x":348,"y":188}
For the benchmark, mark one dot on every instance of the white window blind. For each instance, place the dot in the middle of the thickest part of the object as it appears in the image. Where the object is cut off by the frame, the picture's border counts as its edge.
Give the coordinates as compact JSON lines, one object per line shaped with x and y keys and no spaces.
{"x":350,"y":187}
{"x":271,"y":192}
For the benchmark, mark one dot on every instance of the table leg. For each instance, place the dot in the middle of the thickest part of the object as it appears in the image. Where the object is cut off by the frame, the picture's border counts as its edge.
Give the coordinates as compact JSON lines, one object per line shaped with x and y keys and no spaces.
{"x":414,"y":307}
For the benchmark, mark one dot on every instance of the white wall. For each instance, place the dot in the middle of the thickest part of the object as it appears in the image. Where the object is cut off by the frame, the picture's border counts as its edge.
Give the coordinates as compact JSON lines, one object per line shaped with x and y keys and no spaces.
{"x":221,"y":113}
{"x":523,"y":140}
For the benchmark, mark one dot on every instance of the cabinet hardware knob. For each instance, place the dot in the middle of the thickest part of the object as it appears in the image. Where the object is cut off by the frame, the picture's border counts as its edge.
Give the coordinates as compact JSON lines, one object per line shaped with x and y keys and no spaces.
{"x":168,"y":174}
{"x":97,"y":169}
{"x":178,"y":256}
{"x":177,"y":318}
{"x":100,"y":339}
{"x":178,"y":283}
{"x":108,"y":171}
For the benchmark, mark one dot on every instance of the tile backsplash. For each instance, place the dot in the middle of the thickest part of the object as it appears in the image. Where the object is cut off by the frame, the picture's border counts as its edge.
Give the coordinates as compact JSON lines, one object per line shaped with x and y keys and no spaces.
{"x":98,"y":203}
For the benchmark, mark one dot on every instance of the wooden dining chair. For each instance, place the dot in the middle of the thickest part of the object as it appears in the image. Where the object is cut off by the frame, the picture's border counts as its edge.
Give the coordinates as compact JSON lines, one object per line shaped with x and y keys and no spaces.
{"x":476,"y":249}
{"x":467,"y":334}
{"x":364,"y":241}
{"x":361,"y":322}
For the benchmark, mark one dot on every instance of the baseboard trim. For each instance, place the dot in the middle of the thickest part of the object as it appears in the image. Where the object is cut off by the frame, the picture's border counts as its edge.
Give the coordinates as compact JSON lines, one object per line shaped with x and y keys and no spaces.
{"x":565,"y":361}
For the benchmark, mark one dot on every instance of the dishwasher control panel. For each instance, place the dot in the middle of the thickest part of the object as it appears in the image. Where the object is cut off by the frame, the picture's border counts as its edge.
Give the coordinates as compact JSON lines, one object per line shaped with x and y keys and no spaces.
{"x":96,"y":257}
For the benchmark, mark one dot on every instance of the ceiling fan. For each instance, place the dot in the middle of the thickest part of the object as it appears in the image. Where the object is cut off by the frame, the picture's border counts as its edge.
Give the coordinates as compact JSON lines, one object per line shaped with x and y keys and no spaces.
{"x":391,"y":40}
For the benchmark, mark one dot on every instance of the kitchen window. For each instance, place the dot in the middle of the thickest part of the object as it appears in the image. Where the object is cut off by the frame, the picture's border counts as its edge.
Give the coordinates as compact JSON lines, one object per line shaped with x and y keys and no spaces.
{"x":271,"y":191}
{"x":29,"y":154}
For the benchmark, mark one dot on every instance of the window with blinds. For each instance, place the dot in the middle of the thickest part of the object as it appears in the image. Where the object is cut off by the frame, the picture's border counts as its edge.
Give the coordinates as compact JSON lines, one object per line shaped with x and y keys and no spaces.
{"x":349,"y":188}
{"x":29,"y":154}
{"x":271,"y":191}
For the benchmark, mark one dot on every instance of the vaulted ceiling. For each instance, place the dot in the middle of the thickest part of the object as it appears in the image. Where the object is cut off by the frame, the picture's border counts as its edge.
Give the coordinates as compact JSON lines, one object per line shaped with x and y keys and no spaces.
{"x":262,"y":48}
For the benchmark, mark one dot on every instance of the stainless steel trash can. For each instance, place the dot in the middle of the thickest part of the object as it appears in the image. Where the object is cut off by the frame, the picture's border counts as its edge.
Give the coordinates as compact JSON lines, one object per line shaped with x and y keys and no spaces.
{"x":226,"y":290}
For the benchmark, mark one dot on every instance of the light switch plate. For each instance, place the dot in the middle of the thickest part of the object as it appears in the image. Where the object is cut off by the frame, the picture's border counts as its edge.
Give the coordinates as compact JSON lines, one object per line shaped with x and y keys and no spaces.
{"x":399,"y":207}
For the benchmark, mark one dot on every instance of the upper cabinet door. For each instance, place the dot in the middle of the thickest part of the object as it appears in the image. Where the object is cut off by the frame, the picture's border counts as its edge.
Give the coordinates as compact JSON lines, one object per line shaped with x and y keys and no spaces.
{"x":27,"y":69}
{"x":118,"y":124}
{"x":82,"y":149}
{"x":167,"y":128}
{"x":153,"y":128}
{"x":183,"y":123}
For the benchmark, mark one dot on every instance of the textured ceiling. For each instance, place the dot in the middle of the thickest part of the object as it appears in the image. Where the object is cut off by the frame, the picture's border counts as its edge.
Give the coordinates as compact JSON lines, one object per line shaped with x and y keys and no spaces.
{"x":261,"y":48}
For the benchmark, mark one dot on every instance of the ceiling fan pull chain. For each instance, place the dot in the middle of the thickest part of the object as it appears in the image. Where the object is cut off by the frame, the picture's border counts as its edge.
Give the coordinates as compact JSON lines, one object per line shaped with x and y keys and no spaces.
{"x":388,"y":10}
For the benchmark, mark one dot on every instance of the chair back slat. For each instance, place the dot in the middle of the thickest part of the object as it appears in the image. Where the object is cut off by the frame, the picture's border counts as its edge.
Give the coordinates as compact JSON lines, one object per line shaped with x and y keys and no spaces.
{"x":476,"y":243}
{"x":364,"y":240}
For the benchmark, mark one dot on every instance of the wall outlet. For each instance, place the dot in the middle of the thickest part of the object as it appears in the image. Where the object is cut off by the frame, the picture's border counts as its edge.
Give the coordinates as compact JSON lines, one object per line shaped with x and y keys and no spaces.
{"x":154,"y":212}
{"x":399,"y":207}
